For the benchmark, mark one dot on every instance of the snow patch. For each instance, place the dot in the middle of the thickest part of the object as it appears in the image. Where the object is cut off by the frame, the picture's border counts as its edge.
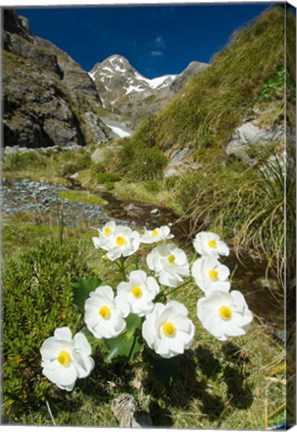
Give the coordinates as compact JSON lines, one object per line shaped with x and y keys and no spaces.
{"x":159,"y":81}
{"x":107,"y":69}
{"x":119,"y":69}
{"x":92,"y":75}
{"x":138,"y":89}
{"x":120,"y":132}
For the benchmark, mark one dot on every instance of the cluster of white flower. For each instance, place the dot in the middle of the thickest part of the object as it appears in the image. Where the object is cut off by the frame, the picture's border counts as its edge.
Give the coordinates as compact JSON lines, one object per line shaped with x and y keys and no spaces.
{"x":165,"y":328}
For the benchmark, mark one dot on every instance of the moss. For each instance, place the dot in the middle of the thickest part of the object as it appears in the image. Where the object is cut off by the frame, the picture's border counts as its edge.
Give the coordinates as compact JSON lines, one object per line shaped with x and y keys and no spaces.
{"x":82,"y":197}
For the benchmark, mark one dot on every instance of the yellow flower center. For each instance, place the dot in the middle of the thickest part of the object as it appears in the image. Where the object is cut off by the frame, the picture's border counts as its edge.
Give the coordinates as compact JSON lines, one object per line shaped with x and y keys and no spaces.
{"x":171,"y":259}
{"x":168,"y":329}
{"x":213,"y":274}
{"x":136,"y":291}
{"x":155,"y":233}
{"x":120,"y":241}
{"x":107,"y":231}
{"x":64,"y":358}
{"x":225,"y":312}
{"x":104,"y":311}
{"x":212,"y":244}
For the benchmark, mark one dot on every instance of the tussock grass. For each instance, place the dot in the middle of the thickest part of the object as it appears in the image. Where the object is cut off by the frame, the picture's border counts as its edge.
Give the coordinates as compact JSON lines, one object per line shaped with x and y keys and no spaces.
{"x":243,"y":204}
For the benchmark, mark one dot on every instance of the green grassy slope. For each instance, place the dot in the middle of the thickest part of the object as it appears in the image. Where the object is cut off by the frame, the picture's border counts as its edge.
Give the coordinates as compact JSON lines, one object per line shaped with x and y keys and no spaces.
{"x":213,"y":102}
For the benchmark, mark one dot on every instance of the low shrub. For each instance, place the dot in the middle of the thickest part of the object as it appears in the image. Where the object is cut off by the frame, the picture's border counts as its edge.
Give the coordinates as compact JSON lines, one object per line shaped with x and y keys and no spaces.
{"x":37,"y":295}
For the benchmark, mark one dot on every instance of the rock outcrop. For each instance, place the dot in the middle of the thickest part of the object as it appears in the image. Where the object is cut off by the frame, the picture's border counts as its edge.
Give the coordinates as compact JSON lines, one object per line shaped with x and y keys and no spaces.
{"x":48,"y":98}
{"x":248,"y":139}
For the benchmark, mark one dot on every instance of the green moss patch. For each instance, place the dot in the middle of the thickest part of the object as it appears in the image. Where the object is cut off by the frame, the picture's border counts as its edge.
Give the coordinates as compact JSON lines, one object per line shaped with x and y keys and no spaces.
{"x":82,"y":197}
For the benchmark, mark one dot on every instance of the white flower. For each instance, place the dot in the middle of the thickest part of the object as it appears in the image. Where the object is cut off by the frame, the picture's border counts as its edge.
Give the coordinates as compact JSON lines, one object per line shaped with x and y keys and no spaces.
{"x":102,"y":316}
{"x":104,"y":235}
{"x":168,"y":330}
{"x":224,"y":314}
{"x":156,"y":235}
{"x":122,"y":242}
{"x":211,"y":275}
{"x":210,"y":244}
{"x":169,"y":263}
{"x":136,"y":295}
{"x":65,"y":359}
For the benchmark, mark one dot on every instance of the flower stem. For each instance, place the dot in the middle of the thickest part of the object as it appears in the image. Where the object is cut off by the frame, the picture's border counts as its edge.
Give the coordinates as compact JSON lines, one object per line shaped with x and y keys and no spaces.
{"x":131,"y":349}
{"x":121,"y":266}
{"x":177,"y":288}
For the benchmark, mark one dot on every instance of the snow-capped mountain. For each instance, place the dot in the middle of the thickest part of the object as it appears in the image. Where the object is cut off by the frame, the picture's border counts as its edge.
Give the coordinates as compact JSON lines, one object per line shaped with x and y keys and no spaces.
{"x":123,"y":90}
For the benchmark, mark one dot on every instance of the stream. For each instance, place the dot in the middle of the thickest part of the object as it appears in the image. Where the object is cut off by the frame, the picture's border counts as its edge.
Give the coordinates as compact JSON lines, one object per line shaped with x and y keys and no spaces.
{"x":40,"y":200}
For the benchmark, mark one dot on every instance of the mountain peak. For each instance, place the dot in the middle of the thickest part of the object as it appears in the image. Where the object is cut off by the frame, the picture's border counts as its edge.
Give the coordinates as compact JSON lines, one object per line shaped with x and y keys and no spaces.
{"x":123,"y":90}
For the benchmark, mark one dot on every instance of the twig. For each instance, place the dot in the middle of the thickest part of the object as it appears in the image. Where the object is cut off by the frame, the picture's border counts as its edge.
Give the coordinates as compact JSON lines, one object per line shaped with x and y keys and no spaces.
{"x":50,"y":413}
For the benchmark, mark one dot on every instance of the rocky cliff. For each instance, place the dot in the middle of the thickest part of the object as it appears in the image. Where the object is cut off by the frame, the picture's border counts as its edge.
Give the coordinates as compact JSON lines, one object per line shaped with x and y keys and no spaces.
{"x":48,"y":98}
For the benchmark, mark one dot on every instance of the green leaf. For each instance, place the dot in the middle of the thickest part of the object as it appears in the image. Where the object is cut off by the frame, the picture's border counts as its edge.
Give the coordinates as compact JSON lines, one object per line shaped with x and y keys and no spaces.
{"x":82,"y":289}
{"x":128,"y":344}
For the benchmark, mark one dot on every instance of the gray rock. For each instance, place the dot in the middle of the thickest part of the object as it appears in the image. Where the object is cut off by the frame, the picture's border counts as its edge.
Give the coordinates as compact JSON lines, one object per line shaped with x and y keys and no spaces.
{"x":179,"y":156}
{"x":128,"y":413}
{"x":249,"y":136}
{"x":155,"y":212}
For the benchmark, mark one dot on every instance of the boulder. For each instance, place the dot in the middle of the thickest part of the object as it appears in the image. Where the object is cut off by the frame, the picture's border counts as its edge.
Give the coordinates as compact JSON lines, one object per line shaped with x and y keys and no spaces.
{"x":249,"y":136}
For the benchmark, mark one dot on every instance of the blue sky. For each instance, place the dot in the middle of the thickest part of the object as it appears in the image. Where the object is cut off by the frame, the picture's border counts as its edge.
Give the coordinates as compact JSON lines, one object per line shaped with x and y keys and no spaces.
{"x":156,"y":40}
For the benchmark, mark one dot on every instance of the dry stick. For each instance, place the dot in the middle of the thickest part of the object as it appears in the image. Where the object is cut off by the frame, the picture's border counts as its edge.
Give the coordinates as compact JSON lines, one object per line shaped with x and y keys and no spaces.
{"x":50,"y":413}
{"x":278,"y":410}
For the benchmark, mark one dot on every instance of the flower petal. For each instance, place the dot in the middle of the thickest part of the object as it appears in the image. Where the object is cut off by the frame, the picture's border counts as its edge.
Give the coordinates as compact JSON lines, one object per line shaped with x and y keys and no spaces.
{"x":63,"y":333}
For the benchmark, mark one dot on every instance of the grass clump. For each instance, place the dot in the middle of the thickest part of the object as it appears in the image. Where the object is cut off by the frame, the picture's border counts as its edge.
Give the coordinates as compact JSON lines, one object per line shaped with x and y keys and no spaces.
{"x":76,"y":163}
{"x":245,"y":205}
{"x":37,"y":295}
{"x":29,"y":159}
{"x":108,"y":177}
{"x":137,"y":161}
